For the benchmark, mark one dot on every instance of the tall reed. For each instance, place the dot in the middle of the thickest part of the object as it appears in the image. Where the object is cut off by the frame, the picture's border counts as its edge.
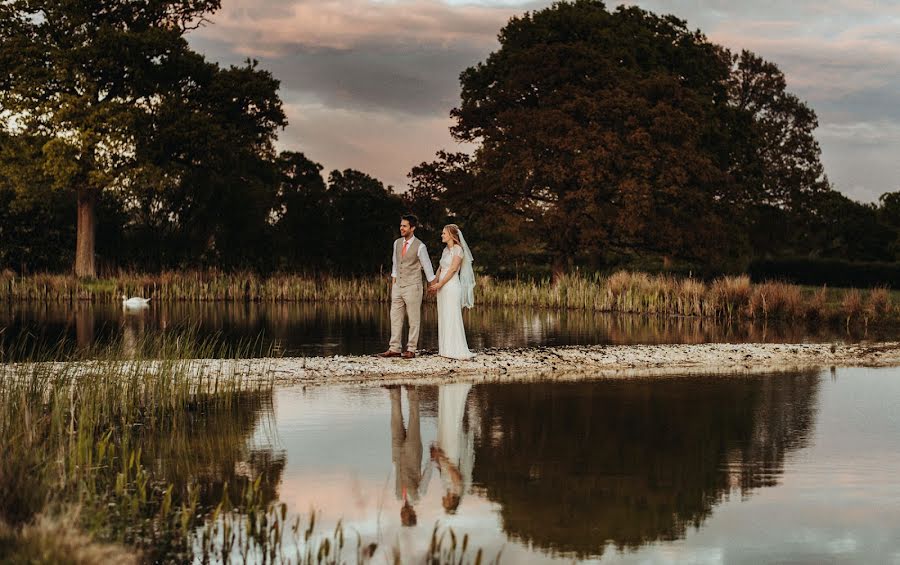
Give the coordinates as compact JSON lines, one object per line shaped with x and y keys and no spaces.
{"x":879,"y":305}
{"x":852,"y":305}
{"x":71,"y":443}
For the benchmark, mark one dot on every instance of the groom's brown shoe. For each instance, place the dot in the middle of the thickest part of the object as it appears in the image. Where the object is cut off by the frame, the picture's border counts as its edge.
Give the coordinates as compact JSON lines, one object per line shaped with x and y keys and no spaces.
{"x":408,"y":355}
{"x":388,"y":353}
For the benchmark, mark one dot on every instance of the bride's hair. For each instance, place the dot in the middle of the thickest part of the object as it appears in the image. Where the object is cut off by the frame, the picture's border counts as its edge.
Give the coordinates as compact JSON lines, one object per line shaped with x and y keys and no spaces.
{"x":453,"y":230}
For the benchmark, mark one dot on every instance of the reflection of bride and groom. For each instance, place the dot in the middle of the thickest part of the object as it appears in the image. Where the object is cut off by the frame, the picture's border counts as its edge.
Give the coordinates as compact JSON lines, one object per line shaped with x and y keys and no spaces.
{"x":454,"y":284}
{"x":452,"y":453}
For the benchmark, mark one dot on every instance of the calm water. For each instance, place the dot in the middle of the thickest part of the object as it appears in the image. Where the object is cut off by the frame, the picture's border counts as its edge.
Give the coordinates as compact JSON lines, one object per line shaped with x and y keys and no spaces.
{"x":794,"y":468}
{"x":308,"y":329}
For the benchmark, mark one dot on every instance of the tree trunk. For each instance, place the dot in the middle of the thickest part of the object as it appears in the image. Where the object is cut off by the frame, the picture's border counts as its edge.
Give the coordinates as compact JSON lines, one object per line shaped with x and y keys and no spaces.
{"x":85,"y":265}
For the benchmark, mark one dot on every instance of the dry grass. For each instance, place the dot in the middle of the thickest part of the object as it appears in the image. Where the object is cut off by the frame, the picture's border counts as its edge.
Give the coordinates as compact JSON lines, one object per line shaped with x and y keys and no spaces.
{"x":732,"y":293}
{"x":879,"y":305}
{"x":775,"y":300}
{"x":60,"y":541}
{"x":852,"y":305}
{"x":195,"y":286}
{"x":816,"y":306}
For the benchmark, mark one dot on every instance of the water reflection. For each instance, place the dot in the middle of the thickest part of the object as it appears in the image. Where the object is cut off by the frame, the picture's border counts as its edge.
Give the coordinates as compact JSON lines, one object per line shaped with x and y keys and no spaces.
{"x":84,"y":325}
{"x":576,"y":466}
{"x":406,"y":453}
{"x":454,"y":450}
{"x":220,"y":450}
{"x":338,"y":329}
{"x":610,"y":469}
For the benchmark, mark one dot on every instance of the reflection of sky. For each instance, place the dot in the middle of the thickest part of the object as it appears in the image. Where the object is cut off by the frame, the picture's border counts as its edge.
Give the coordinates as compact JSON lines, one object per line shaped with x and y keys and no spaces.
{"x":338,"y":445}
{"x":837,"y":501}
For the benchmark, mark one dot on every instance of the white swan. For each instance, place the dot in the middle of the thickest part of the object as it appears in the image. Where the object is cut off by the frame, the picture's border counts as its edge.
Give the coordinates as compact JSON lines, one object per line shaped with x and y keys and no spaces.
{"x":134,"y":301}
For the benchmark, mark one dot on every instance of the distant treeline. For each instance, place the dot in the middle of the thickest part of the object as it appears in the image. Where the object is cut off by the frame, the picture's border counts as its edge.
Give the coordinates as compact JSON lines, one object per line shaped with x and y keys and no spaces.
{"x":834,"y":272}
{"x":600,"y":139}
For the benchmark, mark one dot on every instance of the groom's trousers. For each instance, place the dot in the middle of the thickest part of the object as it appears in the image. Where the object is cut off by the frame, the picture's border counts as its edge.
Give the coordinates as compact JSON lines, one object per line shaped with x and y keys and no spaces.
{"x":406,"y":302}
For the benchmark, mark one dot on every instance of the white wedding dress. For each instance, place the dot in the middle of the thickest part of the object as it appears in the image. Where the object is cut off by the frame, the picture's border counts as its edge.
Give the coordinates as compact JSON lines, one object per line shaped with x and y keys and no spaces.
{"x":451,"y":332}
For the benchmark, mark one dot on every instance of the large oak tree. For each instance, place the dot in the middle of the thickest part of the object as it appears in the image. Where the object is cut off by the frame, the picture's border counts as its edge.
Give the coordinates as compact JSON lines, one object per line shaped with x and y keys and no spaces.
{"x":625,"y":133}
{"x":79,"y":74}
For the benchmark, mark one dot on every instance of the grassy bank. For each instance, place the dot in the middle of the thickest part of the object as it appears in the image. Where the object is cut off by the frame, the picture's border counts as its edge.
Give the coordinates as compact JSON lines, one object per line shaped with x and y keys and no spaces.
{"x":78,"y":476}
{"x":626,"y":292}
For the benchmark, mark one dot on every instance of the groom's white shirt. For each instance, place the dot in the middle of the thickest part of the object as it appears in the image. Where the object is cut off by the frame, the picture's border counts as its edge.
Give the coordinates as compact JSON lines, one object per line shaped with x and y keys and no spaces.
{"x":423,"y":259}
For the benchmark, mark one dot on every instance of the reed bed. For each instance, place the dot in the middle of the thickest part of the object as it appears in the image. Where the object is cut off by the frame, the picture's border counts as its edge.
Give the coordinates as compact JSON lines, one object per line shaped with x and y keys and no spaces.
{"x":194,"y":286}
{"x":727,"y":298}
{"x":71,"y":444}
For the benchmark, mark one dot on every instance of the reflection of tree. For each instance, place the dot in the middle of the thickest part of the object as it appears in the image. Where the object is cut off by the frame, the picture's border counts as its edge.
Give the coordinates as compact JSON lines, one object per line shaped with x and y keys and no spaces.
{"x":214,"y":448}
{"x":84,"y":326}
{"x":574,"y":466}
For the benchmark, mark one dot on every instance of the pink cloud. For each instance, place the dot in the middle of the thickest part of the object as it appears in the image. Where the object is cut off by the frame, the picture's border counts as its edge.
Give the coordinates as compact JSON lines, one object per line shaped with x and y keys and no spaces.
{"x":346,"y":24}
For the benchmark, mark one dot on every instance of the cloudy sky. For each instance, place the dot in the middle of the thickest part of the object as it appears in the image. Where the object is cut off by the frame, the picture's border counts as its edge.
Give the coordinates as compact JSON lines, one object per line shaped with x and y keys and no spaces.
{"x":368,"y":84}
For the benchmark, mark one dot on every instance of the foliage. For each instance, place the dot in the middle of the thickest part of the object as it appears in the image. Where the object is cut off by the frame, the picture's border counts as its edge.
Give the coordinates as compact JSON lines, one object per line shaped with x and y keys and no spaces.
{"x":834,"y":272}
{"x":369,"y":216}
{"x":119,"y":100}
{"x":208,"y":178}
{"x":605,"y":136}
{"x":601,"y":140}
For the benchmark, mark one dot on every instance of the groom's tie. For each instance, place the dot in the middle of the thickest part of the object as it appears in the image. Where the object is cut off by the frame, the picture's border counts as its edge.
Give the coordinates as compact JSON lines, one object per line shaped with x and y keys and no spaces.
{"x":405,"y":245}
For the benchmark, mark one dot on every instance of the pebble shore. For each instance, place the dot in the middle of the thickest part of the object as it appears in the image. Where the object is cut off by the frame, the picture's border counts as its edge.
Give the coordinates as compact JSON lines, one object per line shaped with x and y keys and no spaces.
{"x":524,"y":364}
{"x":583,"y":362}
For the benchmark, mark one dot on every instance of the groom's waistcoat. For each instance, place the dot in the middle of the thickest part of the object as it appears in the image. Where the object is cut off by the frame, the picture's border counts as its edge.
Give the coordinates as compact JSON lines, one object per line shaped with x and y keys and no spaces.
{"x":409,"y":269}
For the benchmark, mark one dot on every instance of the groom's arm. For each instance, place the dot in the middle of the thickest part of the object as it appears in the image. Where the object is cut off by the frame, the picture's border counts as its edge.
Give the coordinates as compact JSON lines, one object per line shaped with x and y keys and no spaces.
{"x":425,"y":260}
{"x":394,"y":263}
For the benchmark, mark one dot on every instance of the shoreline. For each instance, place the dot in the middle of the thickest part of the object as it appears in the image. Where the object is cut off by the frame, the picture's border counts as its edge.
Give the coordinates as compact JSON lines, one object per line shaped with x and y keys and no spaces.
{"x":582,"y":363}
{"x":544,"y":364}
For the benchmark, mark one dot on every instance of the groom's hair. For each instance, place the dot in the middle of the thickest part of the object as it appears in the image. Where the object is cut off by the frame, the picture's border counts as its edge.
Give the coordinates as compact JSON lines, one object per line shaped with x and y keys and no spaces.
{"x":413,"y":221}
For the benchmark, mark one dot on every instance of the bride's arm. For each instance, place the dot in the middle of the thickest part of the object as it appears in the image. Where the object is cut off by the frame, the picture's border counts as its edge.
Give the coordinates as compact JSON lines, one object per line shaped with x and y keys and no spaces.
{"x":454,"y":268}
{"x":433,"y":285}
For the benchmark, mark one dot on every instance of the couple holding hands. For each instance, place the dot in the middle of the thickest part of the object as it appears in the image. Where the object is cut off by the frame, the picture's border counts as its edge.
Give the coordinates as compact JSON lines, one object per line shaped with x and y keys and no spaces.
{"x":454,"y":284}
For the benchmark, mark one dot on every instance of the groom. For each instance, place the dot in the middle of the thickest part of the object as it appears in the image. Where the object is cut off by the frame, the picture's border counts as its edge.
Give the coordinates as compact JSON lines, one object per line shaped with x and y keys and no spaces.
{"x":410,"y":258}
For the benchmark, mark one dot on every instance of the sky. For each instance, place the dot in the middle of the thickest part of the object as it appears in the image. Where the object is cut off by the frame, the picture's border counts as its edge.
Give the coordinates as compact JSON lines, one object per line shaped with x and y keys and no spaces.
{"x":369,"y":84}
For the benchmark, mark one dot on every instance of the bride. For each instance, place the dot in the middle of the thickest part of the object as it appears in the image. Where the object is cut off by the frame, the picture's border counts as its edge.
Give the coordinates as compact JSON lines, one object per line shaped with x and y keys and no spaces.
{"x":455,"y":287}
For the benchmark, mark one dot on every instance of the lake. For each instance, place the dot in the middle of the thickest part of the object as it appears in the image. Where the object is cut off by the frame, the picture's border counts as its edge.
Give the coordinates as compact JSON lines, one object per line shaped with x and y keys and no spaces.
{"x":797,"y":467}
{"x":304,"y":329}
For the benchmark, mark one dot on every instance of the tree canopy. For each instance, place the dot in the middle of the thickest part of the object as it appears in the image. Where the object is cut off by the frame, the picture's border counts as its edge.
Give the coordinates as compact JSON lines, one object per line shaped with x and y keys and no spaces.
{"x":614,"y":134}
{"x":597,"y":139}
{"x":120,"y":102}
